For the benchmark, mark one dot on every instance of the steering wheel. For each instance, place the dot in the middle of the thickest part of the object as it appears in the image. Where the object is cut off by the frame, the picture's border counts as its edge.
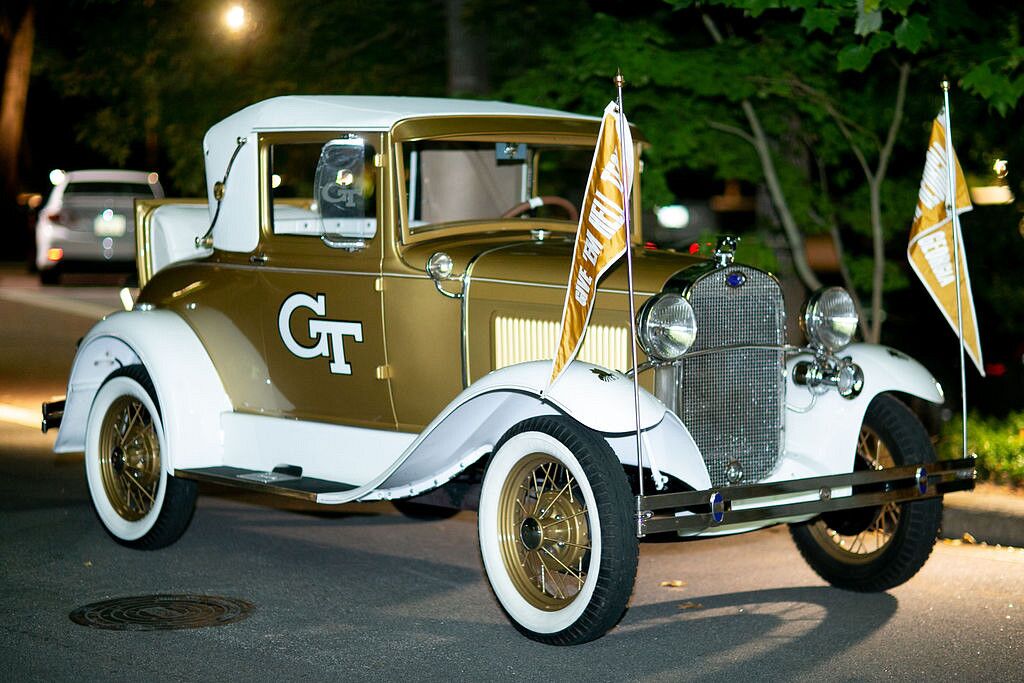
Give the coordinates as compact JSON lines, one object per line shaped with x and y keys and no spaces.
{"x":546,"y":200}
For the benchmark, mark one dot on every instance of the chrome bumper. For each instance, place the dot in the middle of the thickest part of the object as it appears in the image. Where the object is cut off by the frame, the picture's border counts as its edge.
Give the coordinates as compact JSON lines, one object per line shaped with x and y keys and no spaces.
{"x":696,"y":511}
{"x":53,"y":413}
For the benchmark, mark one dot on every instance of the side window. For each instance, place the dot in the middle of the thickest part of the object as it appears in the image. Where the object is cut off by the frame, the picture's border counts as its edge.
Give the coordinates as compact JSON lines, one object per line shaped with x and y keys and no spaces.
{"x":324,"y":188}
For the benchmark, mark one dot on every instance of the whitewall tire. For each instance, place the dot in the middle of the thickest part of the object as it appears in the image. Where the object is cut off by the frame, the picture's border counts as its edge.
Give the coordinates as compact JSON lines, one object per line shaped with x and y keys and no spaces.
{"x":556,"y":536}
{"x":135,"y":498}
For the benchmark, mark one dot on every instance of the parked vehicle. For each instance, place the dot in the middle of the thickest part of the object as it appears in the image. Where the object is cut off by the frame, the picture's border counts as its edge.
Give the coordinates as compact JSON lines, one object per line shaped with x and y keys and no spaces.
{"x":88,"y":221}
{"x":364,"y":307}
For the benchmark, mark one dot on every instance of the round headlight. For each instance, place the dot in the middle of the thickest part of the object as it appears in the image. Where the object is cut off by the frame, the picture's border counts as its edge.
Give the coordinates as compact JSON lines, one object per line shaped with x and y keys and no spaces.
{"x":666,"y":327}
{"x":830,"y":318}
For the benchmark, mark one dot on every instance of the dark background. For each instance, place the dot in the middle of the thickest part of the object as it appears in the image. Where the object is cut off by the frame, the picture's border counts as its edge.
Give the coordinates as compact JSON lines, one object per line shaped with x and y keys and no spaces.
{"x":135,"y":84}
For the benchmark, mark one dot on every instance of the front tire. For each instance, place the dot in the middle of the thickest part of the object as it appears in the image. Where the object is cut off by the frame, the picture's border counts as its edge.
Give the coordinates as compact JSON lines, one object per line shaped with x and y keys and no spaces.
{"x":556,"y":531}
{"x":875,"y":549}
{"x":138,"y":502}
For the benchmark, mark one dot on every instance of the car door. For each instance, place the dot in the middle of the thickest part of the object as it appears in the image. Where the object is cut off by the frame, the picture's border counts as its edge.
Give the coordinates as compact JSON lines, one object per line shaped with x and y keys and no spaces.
{"x":320,"y":274}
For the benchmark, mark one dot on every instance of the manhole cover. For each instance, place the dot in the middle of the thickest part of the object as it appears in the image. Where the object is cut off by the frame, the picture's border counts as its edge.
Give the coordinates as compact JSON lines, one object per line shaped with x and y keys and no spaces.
{"x":162,"y":612}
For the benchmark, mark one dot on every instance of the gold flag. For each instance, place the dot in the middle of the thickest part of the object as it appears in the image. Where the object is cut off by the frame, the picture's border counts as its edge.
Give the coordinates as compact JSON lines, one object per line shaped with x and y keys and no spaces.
{"x":931,"y":241}
{"x":601,"y":235}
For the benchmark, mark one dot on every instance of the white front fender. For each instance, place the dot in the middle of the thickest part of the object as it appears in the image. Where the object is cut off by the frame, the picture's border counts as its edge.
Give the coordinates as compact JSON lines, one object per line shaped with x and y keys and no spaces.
{"x":822,"y":430}
{"x":189,"y":391}
{"x":600,"y":399}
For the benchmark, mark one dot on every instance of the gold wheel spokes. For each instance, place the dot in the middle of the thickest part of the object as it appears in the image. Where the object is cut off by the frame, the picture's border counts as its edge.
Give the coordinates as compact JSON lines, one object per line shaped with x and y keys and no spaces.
{"x":129,"y":452}
{"x":544,"y":532}
{"x":873,"y":453}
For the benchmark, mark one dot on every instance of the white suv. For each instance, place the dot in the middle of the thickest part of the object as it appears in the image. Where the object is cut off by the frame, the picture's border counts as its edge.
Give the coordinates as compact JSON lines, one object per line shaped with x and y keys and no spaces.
{"x":89,"y":221}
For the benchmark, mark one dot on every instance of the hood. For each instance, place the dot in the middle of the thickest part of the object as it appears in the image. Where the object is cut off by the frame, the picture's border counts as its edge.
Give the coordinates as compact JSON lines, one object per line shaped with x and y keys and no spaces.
{"x":548,"y":263}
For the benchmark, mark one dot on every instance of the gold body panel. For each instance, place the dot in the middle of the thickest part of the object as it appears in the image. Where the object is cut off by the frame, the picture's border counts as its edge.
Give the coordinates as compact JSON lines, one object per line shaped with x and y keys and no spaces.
{"x":419,"y":347}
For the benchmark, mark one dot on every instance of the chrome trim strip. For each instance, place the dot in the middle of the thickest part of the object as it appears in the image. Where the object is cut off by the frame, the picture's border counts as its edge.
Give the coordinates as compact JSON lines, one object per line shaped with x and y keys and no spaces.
{"x":786,"y":348}
{"x":547,"y":286}
{"x":467,"y":281}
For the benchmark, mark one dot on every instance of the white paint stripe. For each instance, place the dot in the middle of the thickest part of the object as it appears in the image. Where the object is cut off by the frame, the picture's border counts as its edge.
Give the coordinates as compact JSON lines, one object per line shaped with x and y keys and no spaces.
{"x":56,"y":303}
{"x":21,"y":416}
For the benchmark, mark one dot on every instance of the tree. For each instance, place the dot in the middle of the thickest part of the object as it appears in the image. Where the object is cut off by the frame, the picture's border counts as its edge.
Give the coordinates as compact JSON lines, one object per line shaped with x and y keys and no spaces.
{"x":807,"y":97}
{"x":149,"y":96}
{"x":15,"y":94}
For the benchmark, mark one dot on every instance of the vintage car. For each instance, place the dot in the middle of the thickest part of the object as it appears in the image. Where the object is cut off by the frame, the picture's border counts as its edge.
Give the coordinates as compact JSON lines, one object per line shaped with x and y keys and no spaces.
{"x":88,"y":221}
{"x":364,"y":309}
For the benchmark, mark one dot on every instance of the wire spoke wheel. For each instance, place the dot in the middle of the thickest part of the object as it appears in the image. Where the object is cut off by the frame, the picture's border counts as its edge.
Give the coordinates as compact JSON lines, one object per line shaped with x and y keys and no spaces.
{"x":138,"y":502}
{"x":544,"y":532}
{"x":129,"y":458}
{"x":876,"y":548}
{"x":879,"y":523}
{"x":556,"y":531}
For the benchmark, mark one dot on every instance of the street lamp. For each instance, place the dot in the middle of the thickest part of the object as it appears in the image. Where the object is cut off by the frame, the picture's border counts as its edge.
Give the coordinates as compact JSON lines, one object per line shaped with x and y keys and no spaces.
{"x":235,"y":18}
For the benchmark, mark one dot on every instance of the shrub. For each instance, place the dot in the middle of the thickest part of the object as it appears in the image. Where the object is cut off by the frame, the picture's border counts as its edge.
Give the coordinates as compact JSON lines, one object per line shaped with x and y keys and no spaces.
{"x":999,"y":443}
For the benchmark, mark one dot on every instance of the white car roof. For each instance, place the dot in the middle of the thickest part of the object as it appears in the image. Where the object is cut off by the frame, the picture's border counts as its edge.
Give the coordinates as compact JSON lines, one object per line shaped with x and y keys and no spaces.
{"x":370,"y":113}
{"x":232,"y":142}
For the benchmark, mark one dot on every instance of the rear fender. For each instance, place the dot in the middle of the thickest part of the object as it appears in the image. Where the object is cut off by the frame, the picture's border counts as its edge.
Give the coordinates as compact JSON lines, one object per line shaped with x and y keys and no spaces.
{"x":189,"y":391}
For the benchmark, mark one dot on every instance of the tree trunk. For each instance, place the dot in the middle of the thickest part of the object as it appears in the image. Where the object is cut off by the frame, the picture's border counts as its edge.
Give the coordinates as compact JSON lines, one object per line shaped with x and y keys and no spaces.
{"x":15,"y":95}
{"x":467,"y":54}
{"x":875,"y":181}
{"x":759,"y":140}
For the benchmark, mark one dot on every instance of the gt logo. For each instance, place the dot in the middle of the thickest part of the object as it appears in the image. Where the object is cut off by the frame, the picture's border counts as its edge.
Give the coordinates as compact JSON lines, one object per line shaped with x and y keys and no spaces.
{"x":328,"y":334}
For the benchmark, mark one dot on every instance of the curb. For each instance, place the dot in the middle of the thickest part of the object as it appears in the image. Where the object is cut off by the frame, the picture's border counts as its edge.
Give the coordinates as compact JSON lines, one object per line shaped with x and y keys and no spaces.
{"x":990,"y":514}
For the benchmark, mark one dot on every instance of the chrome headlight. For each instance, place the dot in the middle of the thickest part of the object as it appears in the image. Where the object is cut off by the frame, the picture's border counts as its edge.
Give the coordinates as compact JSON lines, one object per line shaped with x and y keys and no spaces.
{"x":666,"y":327}
{"x":830,"y":318}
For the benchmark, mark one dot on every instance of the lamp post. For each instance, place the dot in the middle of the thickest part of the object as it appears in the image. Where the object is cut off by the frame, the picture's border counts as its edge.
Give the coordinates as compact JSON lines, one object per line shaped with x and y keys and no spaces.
{"x":236,"y":19}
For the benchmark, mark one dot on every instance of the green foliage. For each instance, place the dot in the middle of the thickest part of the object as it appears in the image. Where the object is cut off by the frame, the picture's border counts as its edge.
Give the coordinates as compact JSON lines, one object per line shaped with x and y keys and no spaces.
{"x":997,"y":82}
{"x":151,"y":86}
{"x":753,"y":250}
{"x":816,"y":19}
{"x":999,"y":443}
{"x":913,"y":33}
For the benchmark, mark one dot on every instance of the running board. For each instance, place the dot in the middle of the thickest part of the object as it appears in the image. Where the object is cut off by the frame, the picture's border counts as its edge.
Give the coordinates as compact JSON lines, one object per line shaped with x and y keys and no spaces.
{"x":275,"y":483}
{"x":695,"y":511}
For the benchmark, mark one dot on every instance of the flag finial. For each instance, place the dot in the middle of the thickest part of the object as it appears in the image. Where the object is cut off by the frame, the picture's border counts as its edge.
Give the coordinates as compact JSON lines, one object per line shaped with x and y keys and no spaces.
{"x":945,"y":84}
{"x":619,"y":80}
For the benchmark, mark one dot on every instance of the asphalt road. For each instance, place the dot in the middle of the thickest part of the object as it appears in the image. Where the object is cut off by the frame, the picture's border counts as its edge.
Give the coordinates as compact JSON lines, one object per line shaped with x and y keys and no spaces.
{"x":361,"y":593}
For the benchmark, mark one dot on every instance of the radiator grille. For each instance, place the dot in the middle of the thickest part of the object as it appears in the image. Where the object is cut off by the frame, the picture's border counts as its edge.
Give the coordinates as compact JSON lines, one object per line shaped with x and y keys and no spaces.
{"x":732,"y":400}
{"x":518,"y":340}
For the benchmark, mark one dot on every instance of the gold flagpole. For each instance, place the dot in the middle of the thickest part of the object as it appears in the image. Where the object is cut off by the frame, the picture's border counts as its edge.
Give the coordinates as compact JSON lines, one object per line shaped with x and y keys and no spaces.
{"x":951,"y":209}
{"x":627,"y":200}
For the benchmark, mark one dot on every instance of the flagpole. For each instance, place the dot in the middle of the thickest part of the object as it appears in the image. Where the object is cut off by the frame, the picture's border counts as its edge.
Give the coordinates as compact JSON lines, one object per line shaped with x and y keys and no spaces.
{"x":627,"y":201}
{"x":951,"y":208}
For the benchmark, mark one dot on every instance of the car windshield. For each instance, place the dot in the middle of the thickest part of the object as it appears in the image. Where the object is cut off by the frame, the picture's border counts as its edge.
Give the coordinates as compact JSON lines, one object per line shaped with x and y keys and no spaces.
{"x":447,"y":182}
{"x":110,"y":188}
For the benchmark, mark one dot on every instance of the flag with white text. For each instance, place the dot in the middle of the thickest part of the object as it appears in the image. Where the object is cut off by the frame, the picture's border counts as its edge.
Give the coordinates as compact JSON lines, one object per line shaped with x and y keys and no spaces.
{"x":601,"y":237}
{"x":932,"y":238}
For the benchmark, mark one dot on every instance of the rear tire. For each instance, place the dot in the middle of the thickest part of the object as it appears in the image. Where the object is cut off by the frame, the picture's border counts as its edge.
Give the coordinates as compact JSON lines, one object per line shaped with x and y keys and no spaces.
{"x":50,"y":276}
{"x":556,"y":531}
{"x":875,"y":549}
{"x":137,"y":501}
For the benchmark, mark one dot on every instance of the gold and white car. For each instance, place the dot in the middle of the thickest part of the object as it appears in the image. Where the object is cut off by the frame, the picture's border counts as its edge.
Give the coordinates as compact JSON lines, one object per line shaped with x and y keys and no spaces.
{"x":365,"y":306}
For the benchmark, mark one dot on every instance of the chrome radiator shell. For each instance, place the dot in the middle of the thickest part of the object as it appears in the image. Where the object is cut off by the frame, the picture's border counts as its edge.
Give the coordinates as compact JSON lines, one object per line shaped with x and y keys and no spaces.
{"x":729,"y":390}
